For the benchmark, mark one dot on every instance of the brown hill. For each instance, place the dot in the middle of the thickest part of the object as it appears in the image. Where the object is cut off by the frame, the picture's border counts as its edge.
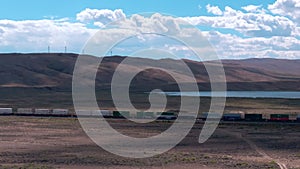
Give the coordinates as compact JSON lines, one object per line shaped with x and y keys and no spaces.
{"x":54,"y":71}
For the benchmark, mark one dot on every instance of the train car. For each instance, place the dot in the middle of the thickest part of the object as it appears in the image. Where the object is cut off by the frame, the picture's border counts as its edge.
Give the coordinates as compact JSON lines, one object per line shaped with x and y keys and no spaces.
{"x":107,"y":113}
{"x":6,"y":111}
{"x":95,"y":113}
{"x":42,"y":112}
{"x":83,"y":113}
{"x":145,"y":115}
{"x":293,"y":116}
{"x":242,"y":114}
{"x":188,"y":115}
{"x":87,"y":113}
{"x":166,"y":115}
{"x":232,"y":117}
{"x":25,"y":111}
{"x":121,"y":114}
{"x":212,"y":115}
{"x":279,"y":117}
{"x":266,"y":116}
{"x":253,"y":117}
{"x":60,"y":112}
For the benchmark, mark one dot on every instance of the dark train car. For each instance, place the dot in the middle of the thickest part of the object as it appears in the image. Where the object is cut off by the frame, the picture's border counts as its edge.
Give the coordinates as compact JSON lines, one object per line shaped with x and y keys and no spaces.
{"x":121,"y":114}
{"x":279,"y":117}
{"x":107,"y":113}
{"x":212,"y":115}
{"x":166,"y":116}
{"x":232,"y":117}
{"x":253,"y":117}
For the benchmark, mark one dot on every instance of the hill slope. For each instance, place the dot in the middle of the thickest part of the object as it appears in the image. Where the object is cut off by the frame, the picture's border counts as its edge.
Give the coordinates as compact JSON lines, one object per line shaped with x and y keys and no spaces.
{"x":55,"y":70}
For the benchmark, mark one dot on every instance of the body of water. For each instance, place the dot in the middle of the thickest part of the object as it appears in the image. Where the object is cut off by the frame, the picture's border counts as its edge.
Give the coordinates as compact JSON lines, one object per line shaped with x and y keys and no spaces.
{"x":241,"y":94}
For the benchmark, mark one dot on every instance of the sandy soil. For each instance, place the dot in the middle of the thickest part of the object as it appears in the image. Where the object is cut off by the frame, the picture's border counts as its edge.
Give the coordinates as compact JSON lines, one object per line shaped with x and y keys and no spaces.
{"x":35,"y":142}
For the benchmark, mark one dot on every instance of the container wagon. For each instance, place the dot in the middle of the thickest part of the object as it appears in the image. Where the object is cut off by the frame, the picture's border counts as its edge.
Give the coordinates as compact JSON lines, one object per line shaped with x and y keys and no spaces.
{"x":60,"y":112}
{"x":293,"y":117}
{"x":121,"y":114}
{"x":266,"y":116}
{"x":212,"y":115}
{"x":188,"y":115}
{"x":25,"y":111}
{"x":83,"y":113}
{"x":279,"y":117}
{"x":253,"y":117}
{"x":166,"y":116}
{"x":145,"y":115}
{"x":42,"y":112}
{"x":231,"y":117}
{"x":6,"y":111}
{"x":94,"y":113}
{"x":106,"y":113}
{"x":88,"y":113}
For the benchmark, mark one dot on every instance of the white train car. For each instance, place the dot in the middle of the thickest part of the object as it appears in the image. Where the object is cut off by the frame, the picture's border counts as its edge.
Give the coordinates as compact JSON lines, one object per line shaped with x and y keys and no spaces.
{"x":88,"y":113}
{"x":6,"y":111}
{"x":60,"y":112}
{"x":42,"y":112}
{"x":293,"y":116}
{"x":188,"y":115}
{"x":82,"y":113}
{"x":25,"y":111}
{"x":95,"y":113}
{"x":145,"y":115}
{"x":266,"y":116}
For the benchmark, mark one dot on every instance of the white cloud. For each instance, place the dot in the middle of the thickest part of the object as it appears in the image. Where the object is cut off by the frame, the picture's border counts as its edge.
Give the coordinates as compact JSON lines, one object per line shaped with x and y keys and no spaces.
{"x":213,"y":9}
{"x":250,"y":24}
{"x":36,"y":35}
{"x":234,"y":47}
{"x":254,"y":8}
{"x":290,"y":8}
{"x":227,"y":45}
{"x":100,"y":16}
{"x":155,"y":23}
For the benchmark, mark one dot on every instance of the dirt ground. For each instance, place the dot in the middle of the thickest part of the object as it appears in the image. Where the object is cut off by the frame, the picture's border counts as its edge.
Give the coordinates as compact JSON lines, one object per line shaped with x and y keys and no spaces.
{"x":36,"y":142}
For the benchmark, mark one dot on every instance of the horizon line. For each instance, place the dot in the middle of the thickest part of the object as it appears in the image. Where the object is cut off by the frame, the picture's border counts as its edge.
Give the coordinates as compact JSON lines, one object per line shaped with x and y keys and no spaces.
{"x":74,"y":53}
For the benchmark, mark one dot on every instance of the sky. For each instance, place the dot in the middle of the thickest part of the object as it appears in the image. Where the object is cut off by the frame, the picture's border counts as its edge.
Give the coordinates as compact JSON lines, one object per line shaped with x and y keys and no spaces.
{"x":235,"y":29}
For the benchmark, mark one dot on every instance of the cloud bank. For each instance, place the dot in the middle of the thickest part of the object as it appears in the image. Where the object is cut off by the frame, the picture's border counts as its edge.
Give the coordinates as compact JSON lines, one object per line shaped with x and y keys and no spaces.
{"x":251,"y":31}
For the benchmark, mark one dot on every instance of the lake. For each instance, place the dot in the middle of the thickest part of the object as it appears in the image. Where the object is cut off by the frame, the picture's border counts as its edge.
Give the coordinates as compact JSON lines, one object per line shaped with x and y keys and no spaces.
{"x":242,"y":94}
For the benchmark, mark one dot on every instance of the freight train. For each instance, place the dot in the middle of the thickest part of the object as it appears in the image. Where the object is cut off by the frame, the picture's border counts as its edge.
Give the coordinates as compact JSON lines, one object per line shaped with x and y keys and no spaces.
{"x":257,"y":117}
{"x":227,"y":116}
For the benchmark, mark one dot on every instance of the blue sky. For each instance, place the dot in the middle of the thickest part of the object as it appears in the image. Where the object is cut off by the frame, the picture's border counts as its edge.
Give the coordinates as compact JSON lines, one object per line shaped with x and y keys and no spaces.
{"x":269,"y":28}
{"x":32,"y":9}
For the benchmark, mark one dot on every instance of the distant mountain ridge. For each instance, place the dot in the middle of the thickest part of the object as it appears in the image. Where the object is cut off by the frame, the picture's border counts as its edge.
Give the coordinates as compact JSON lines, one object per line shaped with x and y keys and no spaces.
{"x":54,"y":71}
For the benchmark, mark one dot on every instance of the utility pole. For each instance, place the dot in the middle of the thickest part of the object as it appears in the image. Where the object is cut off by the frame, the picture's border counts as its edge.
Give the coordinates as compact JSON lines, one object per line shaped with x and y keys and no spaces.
{"x":48,"y":49}
{"x":65,"y":49}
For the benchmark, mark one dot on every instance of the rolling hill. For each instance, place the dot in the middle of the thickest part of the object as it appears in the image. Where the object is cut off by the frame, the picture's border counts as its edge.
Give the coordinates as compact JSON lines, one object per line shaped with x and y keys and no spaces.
{"x":54,"y":71}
